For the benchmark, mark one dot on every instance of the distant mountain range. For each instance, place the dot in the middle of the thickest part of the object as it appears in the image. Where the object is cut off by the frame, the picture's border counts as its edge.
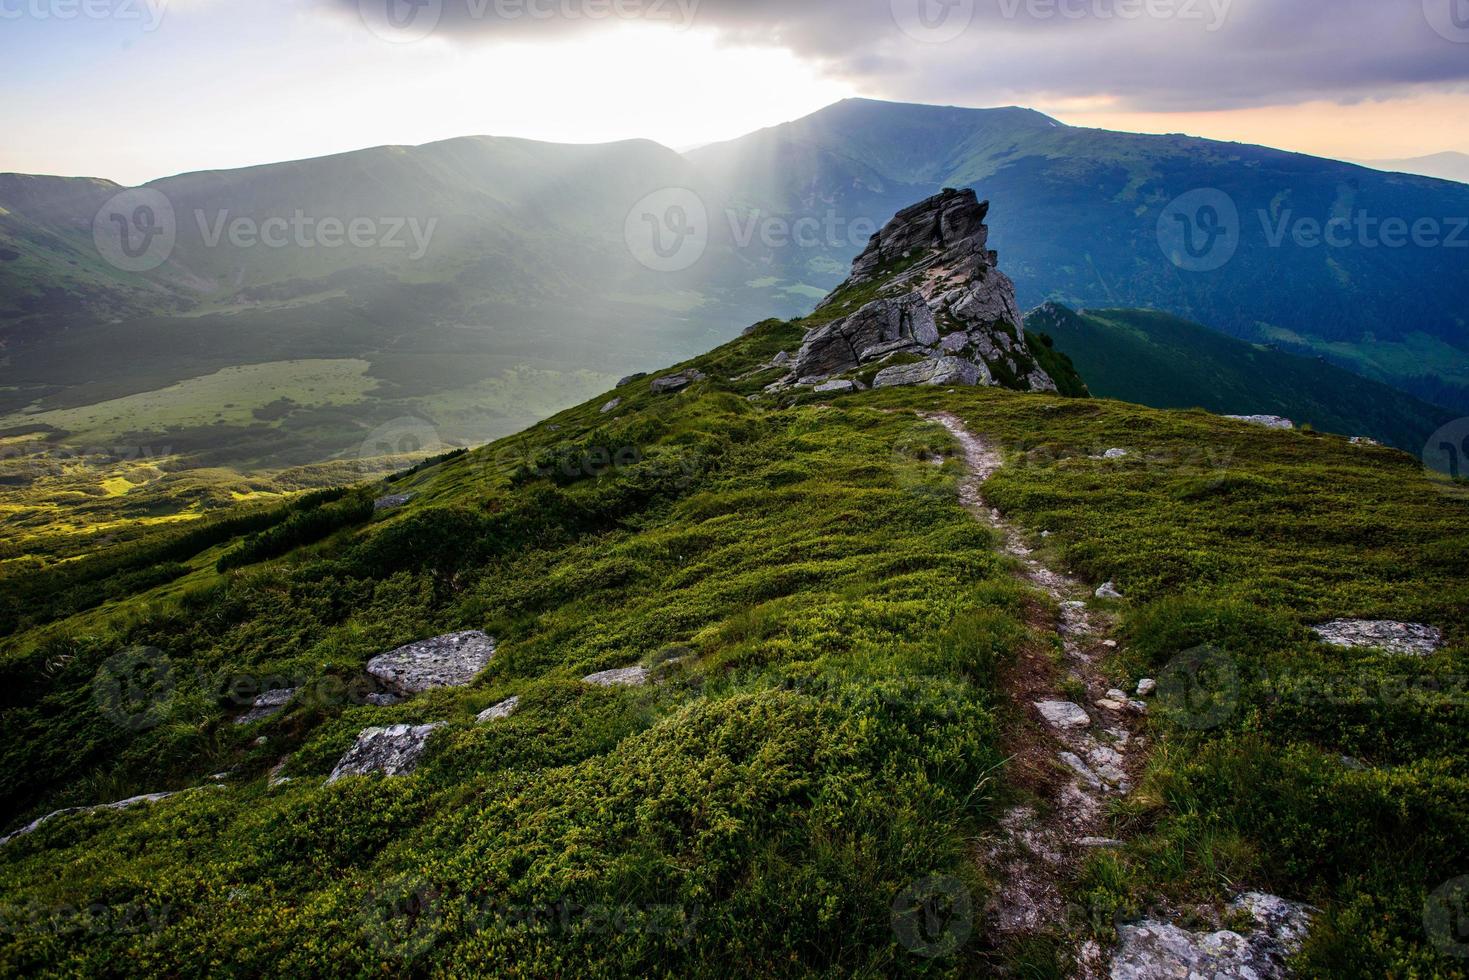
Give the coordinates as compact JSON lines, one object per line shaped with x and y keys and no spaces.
{"x":480,"y":283}
{"x":1445,"y":166}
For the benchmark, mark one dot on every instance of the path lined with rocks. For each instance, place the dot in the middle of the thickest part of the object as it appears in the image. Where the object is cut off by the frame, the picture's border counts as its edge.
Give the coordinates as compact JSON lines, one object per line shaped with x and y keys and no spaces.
{"x":1078,"y":756}
{"x":1082,"y":755}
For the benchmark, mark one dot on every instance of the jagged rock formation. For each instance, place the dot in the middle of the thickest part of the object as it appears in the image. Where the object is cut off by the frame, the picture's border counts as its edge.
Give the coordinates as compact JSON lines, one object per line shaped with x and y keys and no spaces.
{"x":391,"y":751}
{"x":445,"y":661}
{"x":943,"y":312}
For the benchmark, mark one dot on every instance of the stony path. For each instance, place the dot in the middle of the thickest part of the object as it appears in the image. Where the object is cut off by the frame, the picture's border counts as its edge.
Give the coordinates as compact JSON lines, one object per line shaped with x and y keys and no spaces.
{"x":1076,"y":752}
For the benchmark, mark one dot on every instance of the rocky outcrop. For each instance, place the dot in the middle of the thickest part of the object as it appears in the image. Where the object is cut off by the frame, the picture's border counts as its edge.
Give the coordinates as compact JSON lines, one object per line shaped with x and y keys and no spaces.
{"x":676,"y":382}
{"x":877,"y":330}
{"x":631,"y":379}
{"x":1267,"y":421}
{"x":1156,"y":950}
{"x":393,"y":751}
{"x":446,"y":661}
{"x":937,"y":294}
{"x":391,"y":502}
{"x":612,"y":406}
{"x":1408,"y":639}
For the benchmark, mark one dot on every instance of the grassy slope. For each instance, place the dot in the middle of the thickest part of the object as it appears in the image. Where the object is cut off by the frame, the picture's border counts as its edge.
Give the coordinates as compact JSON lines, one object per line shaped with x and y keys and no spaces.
{"x":1155,"y":359}
{"x":831,"y":738}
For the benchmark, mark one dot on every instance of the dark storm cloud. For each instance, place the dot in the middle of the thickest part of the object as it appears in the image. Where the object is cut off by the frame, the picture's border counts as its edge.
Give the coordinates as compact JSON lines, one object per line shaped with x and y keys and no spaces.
{"x":1149,"y":54}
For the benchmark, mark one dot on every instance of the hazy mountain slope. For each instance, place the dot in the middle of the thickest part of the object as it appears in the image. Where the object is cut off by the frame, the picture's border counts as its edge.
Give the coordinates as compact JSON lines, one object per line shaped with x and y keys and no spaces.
{"x":1160,"y":360}
{"x":1081,"y":211}
{"x":1444,"y":166}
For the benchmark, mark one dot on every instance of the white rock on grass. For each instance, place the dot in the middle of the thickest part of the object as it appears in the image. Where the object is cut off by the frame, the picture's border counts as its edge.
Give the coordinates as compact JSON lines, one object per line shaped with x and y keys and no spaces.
{"x":502,"y":710}
{"x":1147,"y":687}
{"x":1063,"y":714}
{"x":133,"y":801}
{"x":393,"y":751}
{"x":1109,"y":591}
{"x":1268,"y":421}
{"x":1153,"y":950}
{"x":612,"y":406}
{"x":1409,"y":639}
{"x":445,"y":661}
{"x":623,"y":677}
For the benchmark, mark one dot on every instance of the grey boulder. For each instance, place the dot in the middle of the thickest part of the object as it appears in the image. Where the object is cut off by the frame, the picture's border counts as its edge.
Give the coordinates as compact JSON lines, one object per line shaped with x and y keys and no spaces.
{"x":676,"y":382}
{"x":268,"y":705}
{"x":394,"y":751}
{"x":1154,"y":950}
{"x":391,"y":502}
{"x":504,"y":709}
{"x":446,"y":661}
{"x":1409,"y":639}
{"x":622,"y":677}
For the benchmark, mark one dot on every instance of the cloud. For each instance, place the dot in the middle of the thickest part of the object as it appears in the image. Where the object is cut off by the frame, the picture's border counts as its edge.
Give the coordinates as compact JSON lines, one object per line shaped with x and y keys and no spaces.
{"x":1148,"y":55}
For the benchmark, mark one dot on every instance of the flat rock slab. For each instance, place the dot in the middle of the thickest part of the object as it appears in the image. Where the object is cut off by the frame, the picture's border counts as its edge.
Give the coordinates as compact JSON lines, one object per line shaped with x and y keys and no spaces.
{"x":1154,"y":950}
{"x":1063,"y":714}
{"x":391,"y":502}
{"x":268,"y":705}
{"x":446,"y":661}
{"x":1410,"y":639}
{"x":623,"y":677}
{"x":502,"y":710}
{"x":391,"y":751}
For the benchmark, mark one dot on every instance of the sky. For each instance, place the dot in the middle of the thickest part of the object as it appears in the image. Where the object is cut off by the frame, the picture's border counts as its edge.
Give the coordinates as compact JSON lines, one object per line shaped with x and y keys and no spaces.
{"x":133,"y":90}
